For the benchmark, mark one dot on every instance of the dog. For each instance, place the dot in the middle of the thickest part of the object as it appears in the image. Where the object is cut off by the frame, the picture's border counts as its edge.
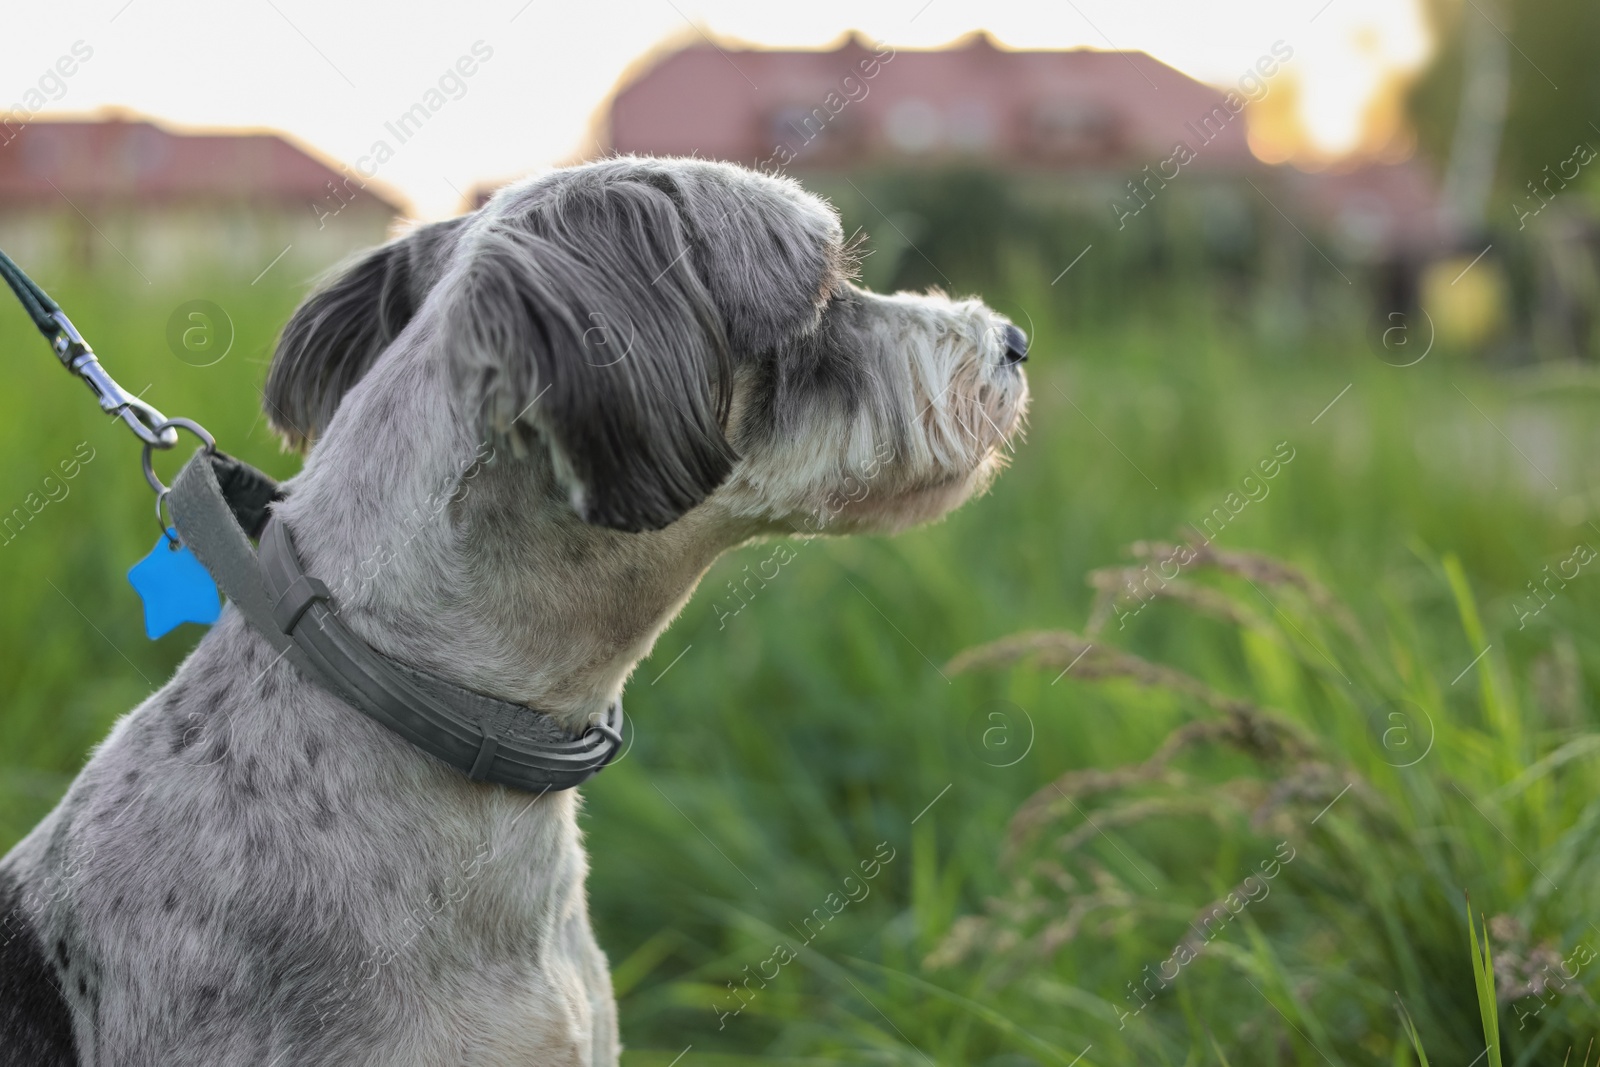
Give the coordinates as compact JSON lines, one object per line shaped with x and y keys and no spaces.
{"x":530,"y":431}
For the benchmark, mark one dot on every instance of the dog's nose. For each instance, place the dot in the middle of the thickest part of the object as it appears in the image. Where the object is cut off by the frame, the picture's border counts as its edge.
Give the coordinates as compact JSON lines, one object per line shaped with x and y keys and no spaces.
{"x":1016,"y":343}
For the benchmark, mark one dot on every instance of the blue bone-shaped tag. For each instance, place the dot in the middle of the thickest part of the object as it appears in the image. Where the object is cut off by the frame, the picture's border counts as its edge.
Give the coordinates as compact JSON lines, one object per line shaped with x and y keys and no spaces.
{"x":175,"y":588}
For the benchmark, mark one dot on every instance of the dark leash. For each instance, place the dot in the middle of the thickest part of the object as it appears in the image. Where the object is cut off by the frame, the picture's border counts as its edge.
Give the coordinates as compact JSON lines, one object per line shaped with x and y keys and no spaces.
{"x":219,"y":504}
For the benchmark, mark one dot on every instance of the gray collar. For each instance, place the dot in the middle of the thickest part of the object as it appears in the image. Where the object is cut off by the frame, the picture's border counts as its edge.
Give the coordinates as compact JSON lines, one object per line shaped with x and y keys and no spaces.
{"x":487,"y":739}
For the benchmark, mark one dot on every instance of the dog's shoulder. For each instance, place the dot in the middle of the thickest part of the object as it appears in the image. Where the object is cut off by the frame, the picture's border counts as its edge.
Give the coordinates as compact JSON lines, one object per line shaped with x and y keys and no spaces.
{"x":35,"y":1020}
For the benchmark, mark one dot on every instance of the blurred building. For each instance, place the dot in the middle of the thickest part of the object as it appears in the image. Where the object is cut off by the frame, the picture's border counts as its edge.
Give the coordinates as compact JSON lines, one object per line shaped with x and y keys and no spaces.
{"x":126,"y":192}
{"x":861,"y":103}
{"x":1105,"y":132}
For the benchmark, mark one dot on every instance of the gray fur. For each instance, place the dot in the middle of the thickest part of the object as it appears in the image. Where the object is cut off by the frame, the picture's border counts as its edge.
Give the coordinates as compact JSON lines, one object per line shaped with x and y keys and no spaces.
{"x":249,"y":872}
{"x":334,"y":337}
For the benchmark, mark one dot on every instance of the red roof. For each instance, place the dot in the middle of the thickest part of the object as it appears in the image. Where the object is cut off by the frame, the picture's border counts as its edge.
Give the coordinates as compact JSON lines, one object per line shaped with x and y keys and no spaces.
{"x":1013,"y":108}
{"x":137,"y":161}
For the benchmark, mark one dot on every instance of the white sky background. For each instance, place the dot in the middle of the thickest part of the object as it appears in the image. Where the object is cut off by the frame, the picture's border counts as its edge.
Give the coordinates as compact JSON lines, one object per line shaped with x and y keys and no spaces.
{"x":257,"y":62}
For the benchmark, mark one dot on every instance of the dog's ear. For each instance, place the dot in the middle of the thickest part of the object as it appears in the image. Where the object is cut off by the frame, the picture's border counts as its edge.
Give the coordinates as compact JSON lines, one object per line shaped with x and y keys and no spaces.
{"x":582,"y":318}
{"x":770,"y":253}
{"x":338,"y":332}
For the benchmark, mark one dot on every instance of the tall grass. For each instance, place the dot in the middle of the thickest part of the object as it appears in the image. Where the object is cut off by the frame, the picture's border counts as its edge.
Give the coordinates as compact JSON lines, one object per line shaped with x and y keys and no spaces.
{"x":1380,"y":795}
{"x":823,"y":728}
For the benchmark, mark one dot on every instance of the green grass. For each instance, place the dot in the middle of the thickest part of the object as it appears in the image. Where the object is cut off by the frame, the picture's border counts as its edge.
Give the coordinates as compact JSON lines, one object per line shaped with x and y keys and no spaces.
{"x":1483,"y":977}
{"x":823,"y":727}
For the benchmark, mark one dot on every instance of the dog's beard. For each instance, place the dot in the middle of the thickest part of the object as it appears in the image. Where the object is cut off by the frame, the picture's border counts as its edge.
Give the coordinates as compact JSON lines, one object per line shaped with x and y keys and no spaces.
{"x":894,"y":411}
{"x":964,"y":432}
{"x":972,"y":424}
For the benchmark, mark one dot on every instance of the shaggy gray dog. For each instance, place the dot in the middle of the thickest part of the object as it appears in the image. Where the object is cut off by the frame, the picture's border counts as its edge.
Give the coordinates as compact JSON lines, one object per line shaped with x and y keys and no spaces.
{"x":531,"y":430}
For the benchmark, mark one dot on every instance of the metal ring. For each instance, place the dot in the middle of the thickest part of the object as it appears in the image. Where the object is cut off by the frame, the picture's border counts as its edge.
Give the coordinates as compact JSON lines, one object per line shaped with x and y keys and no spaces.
{"x":172,"y":542}
{"x":180,"y":424}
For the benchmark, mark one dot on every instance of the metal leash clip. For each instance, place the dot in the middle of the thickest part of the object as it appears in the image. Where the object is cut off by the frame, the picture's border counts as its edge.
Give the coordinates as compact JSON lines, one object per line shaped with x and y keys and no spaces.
{"x":148,"y":424}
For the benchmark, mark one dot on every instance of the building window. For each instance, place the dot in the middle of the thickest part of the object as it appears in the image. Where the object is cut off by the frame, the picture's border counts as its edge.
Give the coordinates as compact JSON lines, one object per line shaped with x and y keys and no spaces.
{"x":1074,"y":128}
{"x":972,"y":127}
{"x":799,"y":127}
{"x":913,"y":126}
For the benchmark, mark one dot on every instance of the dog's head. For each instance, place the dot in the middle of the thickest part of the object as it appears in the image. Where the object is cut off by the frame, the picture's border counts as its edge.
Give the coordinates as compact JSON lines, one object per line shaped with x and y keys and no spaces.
{"x":672,"y":333}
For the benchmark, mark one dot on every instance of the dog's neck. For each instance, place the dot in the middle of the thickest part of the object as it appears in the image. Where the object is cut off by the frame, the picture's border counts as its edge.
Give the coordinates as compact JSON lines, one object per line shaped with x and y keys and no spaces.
{"x":467,"y":561}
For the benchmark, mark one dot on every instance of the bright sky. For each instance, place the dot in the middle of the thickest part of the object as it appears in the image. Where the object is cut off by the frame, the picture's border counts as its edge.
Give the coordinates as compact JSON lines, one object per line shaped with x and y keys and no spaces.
{"x":333,"y":73}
